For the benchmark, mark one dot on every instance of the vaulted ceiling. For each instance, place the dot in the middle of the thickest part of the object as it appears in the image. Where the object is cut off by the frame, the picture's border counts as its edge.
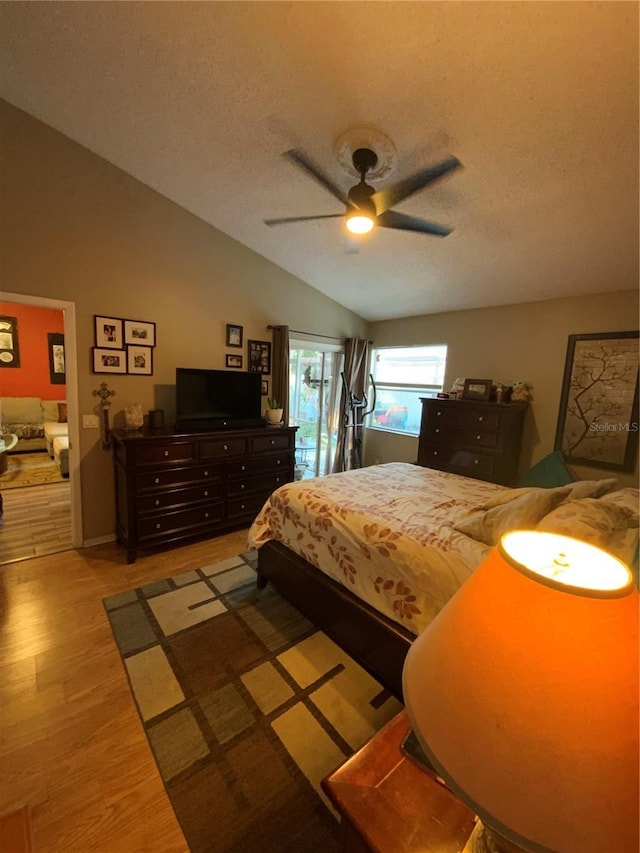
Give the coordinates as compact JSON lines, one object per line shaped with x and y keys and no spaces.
{"x":538,"y":100}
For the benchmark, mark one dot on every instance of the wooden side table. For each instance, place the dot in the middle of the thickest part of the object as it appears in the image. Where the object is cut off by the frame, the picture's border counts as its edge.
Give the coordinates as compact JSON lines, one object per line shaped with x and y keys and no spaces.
{"x":390,"y":805}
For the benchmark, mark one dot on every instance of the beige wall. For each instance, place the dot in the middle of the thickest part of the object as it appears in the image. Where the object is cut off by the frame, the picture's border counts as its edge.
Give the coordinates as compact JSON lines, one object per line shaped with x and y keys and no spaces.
{"x":74,"y":227}
{"x":526,"y":342}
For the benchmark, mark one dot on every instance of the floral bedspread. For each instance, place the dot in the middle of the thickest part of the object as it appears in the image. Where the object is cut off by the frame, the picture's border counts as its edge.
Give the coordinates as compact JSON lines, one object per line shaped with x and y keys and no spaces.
{"x":385,"y":532}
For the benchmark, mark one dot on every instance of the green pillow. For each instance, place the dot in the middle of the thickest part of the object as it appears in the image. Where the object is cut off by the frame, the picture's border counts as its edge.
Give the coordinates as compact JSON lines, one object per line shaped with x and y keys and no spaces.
{"x":548,"y":473}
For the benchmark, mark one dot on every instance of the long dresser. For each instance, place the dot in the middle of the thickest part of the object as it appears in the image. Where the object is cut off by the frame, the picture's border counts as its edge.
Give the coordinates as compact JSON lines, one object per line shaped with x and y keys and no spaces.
{"x":174,"y":486}
{"x":479,"y":440}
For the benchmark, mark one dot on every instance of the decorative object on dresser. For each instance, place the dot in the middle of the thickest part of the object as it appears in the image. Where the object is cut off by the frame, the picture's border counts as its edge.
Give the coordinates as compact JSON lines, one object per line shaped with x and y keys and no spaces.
{"x":476,"y":439}
{"x":273,"y":412}
{"x":173,"y":486}
{"x":547,"y":703}
{"x":477,"y":389}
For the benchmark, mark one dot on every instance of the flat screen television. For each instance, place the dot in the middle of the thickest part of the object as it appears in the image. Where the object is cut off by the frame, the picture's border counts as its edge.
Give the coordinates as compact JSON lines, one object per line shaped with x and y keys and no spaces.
{"x":217,"y":399}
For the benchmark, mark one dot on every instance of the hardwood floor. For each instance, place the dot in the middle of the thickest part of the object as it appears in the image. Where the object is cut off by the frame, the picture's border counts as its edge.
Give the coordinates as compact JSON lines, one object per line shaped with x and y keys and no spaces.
{"x":36,"y":520}
{"x":71,"y":744}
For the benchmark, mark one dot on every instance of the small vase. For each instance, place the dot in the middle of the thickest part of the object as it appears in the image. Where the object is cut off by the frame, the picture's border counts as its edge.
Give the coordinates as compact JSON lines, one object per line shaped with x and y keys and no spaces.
{"x":273,"y":416}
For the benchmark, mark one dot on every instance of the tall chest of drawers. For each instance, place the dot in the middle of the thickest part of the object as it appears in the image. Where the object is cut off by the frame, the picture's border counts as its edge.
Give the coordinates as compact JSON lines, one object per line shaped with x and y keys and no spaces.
{"x":174,"y":486}
{"x":480,"y":440}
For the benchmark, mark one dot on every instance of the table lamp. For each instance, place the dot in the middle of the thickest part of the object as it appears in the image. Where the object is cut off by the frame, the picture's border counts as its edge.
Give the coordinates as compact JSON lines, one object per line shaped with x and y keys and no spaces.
{"x":523,"y":694}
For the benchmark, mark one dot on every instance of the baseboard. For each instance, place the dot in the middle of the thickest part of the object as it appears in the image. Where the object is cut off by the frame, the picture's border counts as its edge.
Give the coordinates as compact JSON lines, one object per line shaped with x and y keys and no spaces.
{"x":15,"y":831}
{"x":99,"y":540}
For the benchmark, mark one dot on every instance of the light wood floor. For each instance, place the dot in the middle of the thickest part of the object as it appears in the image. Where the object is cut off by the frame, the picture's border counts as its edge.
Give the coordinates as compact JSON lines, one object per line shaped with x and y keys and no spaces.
{"x":36,"y":520}
{"x":71,"y":744}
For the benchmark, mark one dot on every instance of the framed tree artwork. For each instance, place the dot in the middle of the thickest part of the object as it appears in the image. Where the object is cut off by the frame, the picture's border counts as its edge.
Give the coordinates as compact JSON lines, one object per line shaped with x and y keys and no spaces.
{"x":598,"y":417}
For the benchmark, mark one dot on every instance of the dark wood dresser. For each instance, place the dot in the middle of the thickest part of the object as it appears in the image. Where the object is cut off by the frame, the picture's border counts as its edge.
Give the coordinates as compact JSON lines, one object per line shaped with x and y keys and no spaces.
{"x":173,"y":486}
{"x":480,"y":440}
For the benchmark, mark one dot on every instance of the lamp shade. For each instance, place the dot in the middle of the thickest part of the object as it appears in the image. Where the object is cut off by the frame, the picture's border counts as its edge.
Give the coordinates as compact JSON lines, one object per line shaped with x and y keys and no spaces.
{"x":523,"y":692}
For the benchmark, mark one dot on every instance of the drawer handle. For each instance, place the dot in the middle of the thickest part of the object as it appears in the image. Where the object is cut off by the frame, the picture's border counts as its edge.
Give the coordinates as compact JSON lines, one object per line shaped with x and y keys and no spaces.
{"x":242,"y":485}
{"x":206,"y":473}
{"x":437,"y":429}
{"x":475,"y":461}
{"x":206,"y":494}
{"x":206,"y":515}
{"x":225,"y":446}
{"x":478,"y":437}
{"x":273,"y":441}
{"x":278,"y":462}
{"x":157,"y":503}
{"x":277,"y":479}
{"x":435,"y":452}
{"x":166,"y":453}
{"x":241,"y":506}
{"x":157,"y":480}
{"x":158,"y":526}
{"x":438,"y":413}
{"x":481,"y":418}
{"x":242,"y":468}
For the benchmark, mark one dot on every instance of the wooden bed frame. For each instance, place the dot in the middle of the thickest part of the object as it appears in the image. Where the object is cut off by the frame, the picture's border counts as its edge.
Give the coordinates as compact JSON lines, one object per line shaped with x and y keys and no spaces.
{"x":373,"y":640}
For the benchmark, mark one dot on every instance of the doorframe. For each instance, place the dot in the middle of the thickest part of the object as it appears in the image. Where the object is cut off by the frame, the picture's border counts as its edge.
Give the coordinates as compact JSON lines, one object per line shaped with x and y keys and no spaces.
{"x":71,"y":381}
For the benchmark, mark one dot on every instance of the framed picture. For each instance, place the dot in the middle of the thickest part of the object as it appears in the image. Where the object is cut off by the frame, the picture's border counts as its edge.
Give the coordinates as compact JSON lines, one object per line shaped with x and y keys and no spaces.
{"x":140,"y":332}
{"x":107,"y":360}
{"x":9,"y":349}
{"x":234,"y":361}
{"x":57,"y":374}
{"x":264,"y":388}
{"x":140,"y":360}
{"x":597,"y":419}
{"x":108,"y":332}
{"x":477,"y":389}
{"x":234,"y":335}
{"x":260,"y":356}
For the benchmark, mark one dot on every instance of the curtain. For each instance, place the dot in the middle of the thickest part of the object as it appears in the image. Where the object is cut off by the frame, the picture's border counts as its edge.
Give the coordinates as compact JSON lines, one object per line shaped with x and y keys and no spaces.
{"x":280,"y":369}
{"x":356,"y":364}
{"x":331,"y":389}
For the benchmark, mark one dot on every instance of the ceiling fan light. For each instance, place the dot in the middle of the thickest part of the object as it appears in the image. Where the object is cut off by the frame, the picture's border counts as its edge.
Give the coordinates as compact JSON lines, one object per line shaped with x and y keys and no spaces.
{"x":359,"y":223}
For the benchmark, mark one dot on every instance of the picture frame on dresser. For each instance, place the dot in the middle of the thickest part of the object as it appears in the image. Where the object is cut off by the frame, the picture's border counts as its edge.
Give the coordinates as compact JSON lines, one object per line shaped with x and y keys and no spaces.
{"x":477,"y":389}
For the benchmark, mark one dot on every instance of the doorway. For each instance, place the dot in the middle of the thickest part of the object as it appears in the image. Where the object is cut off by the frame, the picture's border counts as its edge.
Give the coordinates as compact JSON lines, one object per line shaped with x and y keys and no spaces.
{"x":63,"y":500}
{"x":314,"y":401}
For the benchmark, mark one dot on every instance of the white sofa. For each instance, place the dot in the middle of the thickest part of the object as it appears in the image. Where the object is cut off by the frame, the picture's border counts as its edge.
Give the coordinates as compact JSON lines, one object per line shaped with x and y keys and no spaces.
{"x":36,"y":422}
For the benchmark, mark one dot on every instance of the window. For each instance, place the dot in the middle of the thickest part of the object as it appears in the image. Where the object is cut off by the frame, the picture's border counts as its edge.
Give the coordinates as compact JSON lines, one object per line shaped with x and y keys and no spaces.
{"x":403,"y":375}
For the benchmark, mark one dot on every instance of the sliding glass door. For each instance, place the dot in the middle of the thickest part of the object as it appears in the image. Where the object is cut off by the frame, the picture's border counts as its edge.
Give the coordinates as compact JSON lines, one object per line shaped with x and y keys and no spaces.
{"x":314,"y":400}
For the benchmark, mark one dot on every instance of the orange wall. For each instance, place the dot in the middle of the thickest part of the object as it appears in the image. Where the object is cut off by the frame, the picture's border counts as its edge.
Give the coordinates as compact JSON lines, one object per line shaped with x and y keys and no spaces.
{"x":31,"y":379}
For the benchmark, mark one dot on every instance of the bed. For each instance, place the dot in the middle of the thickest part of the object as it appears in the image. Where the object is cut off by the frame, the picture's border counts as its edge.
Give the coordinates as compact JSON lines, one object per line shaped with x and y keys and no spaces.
{"x":370,"y":556}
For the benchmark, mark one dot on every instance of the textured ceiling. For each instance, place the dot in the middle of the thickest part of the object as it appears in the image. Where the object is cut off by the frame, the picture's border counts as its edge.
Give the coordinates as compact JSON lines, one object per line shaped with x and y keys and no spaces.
{"x":199,"y":100}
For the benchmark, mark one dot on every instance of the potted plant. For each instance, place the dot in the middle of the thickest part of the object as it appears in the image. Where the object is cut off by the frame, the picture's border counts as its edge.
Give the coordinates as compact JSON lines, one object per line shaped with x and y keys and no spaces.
{"x":273,"y":412}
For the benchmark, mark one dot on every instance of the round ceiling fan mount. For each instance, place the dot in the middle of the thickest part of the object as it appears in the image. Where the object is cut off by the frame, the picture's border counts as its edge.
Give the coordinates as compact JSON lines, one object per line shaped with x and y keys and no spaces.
{"x":366,"y":138}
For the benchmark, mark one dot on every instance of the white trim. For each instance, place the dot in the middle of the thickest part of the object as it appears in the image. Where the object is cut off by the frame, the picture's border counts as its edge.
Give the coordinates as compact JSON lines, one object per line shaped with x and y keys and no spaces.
{"x":73,"y":415}
{"x":100,"y":540}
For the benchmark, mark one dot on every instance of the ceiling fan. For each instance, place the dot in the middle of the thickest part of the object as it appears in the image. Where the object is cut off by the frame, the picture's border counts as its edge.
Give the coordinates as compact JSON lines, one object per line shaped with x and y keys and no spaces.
{"x":366,"y":207}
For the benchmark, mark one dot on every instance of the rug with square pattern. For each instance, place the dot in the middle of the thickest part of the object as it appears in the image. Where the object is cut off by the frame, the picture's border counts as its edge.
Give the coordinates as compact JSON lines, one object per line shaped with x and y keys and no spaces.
{"x":246,"y":707}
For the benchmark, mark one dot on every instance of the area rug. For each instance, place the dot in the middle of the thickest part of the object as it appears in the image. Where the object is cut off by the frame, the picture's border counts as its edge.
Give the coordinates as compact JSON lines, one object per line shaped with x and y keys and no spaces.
{"x":30,"y":469}
{"x":246,"y":707}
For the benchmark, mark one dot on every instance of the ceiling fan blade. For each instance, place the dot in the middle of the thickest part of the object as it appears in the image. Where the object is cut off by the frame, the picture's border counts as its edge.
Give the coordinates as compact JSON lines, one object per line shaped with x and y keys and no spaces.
{"x":388,"y":197}
{"x":302,"y":162}
{"x":285,"y":219}
{"x":392,"y":219}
